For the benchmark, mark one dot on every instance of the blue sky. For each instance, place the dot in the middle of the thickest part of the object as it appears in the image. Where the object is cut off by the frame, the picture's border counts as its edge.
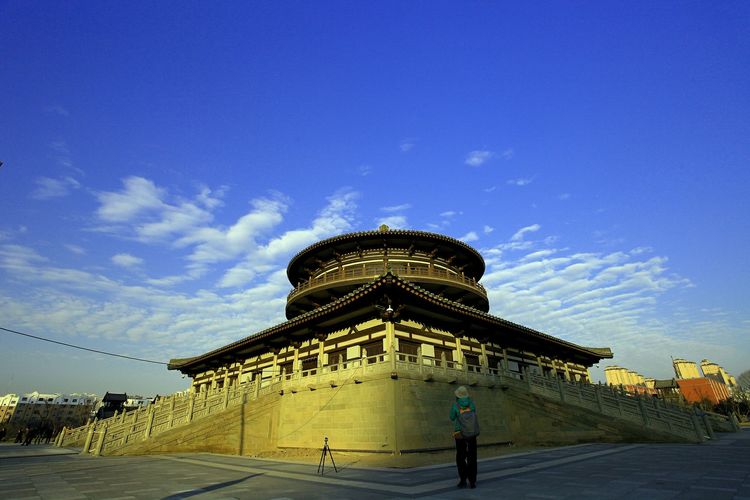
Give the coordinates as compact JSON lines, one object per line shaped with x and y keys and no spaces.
{"x":163,"y":161}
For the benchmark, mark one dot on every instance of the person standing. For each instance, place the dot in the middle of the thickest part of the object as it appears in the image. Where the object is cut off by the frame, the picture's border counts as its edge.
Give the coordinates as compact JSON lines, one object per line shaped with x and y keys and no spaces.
{"x":465,"y":431}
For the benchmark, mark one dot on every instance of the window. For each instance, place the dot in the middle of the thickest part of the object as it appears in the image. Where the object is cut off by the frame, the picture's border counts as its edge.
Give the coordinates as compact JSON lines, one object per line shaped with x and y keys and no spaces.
{"x":286,"y":368}
{"x":75,"y":400}
{"x":374,"y":348}
{"x":335,"y":357}
{"x":439,"y":352}
{"x":472,"y":362}
{"x":49,"y":399}
{"x":65,"y":400}
{"x":310,"y":364}
{"x":408,"y":347}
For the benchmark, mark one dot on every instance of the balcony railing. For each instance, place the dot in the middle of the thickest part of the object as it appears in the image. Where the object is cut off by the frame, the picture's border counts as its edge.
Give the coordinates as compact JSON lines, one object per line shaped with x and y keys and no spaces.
{"x":357,"y":273}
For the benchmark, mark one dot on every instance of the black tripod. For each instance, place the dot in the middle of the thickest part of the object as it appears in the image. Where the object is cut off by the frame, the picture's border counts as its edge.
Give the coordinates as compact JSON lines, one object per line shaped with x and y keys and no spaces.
{"x":322,"y":463}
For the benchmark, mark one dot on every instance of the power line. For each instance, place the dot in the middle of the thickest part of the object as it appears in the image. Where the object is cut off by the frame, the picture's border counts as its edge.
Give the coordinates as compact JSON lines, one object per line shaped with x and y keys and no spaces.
{"x":82,"y":348}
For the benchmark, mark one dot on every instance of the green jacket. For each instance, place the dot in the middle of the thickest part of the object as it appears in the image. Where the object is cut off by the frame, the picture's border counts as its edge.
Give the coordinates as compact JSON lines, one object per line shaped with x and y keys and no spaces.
{"x":463,"y":403}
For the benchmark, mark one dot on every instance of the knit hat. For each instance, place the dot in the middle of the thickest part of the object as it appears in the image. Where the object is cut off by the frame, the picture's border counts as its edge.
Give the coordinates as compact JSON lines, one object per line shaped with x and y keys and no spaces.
{"x":462,"y":392}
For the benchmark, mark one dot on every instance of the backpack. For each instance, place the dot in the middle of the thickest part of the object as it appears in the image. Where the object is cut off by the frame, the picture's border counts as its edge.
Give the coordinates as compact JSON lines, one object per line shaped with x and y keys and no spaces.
{"x":467,"y":419}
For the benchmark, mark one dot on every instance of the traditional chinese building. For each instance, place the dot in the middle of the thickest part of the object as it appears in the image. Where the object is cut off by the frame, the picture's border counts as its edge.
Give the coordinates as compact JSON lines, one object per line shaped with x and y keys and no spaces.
{"x":387,"y":302}
{"x":388,"y":291}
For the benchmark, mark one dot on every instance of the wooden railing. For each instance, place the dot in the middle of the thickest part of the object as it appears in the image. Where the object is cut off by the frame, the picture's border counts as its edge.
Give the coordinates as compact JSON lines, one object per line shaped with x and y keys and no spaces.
{"x":106,"y":436}
{"x":372,"y":271}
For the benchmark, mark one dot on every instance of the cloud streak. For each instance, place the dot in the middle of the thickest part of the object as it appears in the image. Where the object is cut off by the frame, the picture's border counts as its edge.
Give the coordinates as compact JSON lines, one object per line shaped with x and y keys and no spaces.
{"x":478,"y":157}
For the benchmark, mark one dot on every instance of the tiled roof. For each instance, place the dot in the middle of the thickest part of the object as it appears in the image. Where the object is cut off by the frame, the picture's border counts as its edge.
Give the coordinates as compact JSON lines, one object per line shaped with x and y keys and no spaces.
{"x":449,"y":309}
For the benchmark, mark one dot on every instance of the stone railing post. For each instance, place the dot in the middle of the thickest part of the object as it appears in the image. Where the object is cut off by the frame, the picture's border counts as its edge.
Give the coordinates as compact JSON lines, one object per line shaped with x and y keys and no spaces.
{"x":598,"y":395}
{"x":443,"y":361}
{"x":561,"y":388}
{"x":135,"y":419}
{"x":697,"y":427}
{"x":709,"y":427}
{"x":364,"y":357}
{"x":191,"y":405}
{"x":89,"y":438}
{"x":171,"y":414}
{"x":122,"y":417}
{"x":420,"y":363}
{"x":100,"y":443}
{"x":256,"y":389}
{"x":149,"y":423}
{"x":644,"y":411}
{"x":61,"y":436}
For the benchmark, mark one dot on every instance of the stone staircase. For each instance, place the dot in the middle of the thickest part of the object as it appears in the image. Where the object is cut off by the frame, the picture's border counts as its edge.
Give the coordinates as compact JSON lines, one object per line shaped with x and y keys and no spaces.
{"x":128,"y":430}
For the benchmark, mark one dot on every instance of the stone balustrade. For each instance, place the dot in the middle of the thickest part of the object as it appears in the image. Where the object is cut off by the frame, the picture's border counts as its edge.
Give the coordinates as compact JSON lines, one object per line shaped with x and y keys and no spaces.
{"x":105,"y":436}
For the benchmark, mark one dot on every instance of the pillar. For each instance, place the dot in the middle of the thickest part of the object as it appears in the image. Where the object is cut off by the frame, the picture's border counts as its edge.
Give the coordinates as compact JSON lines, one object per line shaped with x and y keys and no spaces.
{"x":390,"y":340}
{"x":459,"y":352}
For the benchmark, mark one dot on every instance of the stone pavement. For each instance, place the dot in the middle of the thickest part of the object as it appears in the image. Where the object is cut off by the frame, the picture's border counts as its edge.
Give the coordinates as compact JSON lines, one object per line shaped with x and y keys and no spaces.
{"x":718,"y":469}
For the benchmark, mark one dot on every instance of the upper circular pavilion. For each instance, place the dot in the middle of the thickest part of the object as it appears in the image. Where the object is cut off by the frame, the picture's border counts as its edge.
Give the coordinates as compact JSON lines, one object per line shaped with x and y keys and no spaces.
{"x":334,"y":267}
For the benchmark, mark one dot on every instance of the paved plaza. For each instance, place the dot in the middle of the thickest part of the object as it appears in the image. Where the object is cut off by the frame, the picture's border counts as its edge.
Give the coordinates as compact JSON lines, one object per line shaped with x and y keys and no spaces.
{"x":717,"y":470}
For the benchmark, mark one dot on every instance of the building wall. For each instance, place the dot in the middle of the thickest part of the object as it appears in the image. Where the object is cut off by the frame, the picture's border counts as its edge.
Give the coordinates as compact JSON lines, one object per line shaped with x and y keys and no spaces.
{"x":710,"y":368}
{"x":685,"y":369}
{"x":698,"y":390}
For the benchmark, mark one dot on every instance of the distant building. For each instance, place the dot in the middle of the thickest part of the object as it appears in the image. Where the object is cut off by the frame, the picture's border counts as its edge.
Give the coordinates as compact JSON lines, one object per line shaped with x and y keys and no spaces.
{"x":135,"y":402}
{"x":35,"y":408}
{"x":710,"y":368}
{"x":630,"y":380}
{"x":703,"y":390}
{"x":685,"y":369}
{"x":111,"y":403}
{"x":668,"y":390}
{"x":712,"y":385}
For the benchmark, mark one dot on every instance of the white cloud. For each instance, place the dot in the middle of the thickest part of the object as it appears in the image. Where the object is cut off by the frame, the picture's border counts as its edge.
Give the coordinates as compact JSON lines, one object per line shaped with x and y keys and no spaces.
{"x":478,"y":157}
{"x":138,"y":196}
{"x":62,"y":155}
{"x":507,"y":154}
{"x":519,"y":235}
{"x":75,"y":249}
{"x":396,"y":208}
{"x":407,"y":145}
{"x":48,"y":188}
{"x":126,"y":260}
{"x":563,"y":196}
{"x":607,"y":299}
{"x":364,"y":170}
{"x":521,"y":181}
{"x":336,"y":217}
{"x":488,"y":229}
{"x":469,"y":237}
{"x":489,"y":189}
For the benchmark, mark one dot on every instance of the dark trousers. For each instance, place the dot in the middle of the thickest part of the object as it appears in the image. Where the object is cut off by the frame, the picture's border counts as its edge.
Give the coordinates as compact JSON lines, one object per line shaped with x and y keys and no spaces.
{"x":466,"y":459}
